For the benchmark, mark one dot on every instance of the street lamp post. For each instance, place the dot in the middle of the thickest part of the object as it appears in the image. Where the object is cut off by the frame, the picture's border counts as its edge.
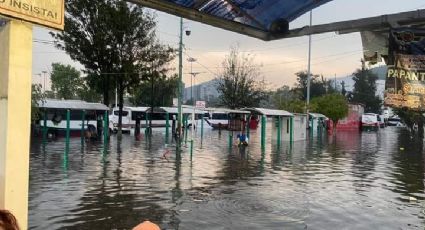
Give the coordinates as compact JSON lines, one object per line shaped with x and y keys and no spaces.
{"x":180,"y":117}
{"x":192,"y":83}
{"x":180,"y":88}
{"x":309,"y":71}
{"x":44,"y":80}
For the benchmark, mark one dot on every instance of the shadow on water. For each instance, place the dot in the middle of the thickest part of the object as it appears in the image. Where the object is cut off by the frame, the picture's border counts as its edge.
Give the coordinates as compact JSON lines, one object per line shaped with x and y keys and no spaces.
{"x":349,"y":181}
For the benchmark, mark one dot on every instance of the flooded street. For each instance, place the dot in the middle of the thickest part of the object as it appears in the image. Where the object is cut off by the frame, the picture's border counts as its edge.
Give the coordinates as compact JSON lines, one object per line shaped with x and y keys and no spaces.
{"x":364,"y":180}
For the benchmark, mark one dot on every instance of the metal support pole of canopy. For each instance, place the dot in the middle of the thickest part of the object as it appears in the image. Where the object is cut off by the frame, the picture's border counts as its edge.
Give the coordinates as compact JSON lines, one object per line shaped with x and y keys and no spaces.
{"x":263,"y":132}
{"x":83,"y":118}
{"x":45,"y":128}
{"x":279,"y":130}
{"x":105,"y":131}
{"x":167,"y":127}
{"x":67,"y":131}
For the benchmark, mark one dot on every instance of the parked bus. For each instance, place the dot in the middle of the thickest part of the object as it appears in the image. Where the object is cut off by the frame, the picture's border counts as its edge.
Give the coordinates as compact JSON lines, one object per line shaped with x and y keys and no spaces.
{"x":56,"y":116}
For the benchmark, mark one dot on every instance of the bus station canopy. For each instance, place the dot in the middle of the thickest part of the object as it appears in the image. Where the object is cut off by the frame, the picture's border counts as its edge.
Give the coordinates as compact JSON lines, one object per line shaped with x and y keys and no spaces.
{"x":71,"y":105}
{"x":269,"y":19}
{"x":137,"y":109}
{"x":186,"y":110}
{"x":317,"y":116}
{"x":227,"y":111}
{"x":270,"y":112}
{"x":264,"y":19}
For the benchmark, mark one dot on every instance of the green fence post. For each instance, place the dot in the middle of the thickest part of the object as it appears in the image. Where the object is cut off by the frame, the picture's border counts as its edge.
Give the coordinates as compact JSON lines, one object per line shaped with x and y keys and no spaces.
{"x":248,"y":129}
{"x":230,"y":139}
{"x":312,"y":127}
{"x":67,"y":131}
{"x":263,"y":132}
{"x":185,"y":128}
{"x":105,"y":131}
{"x":167,"y":127}
{"x":202,"y":127}
{"x":83,"y":117}
{"x":146,"y":123}
{"x":191,"y":149}
{"x":279,"y":130}
{"x":291,"y":130}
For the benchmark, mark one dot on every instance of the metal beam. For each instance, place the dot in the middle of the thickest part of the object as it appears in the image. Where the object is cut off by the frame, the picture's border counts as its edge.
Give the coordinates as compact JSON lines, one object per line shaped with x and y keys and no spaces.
{"x":383,"y":22}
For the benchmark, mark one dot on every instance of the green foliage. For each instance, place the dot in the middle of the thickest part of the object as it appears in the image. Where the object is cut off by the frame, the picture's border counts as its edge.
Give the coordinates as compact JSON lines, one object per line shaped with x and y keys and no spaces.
{"x":115,"y":41}
{"x":86,"y":93}
{"x":334,"y":106}
{"x":286,"y":99}
{"x":66,"y":81}
{"x":162,"y":94}
{"x":318,"y":86}
{"x":237,"y":84}
{"x":37,"y":96}
{"x":364,"y":91}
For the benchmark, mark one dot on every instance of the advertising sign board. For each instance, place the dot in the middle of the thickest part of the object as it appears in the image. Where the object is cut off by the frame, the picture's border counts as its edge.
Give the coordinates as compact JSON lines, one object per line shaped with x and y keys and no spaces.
{"x":49,"y":13}
{"x":405,"y":81}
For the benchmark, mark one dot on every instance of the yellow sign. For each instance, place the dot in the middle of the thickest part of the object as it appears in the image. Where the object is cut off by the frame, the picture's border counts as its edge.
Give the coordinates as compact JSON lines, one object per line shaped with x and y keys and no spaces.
{"x":48,"y":13}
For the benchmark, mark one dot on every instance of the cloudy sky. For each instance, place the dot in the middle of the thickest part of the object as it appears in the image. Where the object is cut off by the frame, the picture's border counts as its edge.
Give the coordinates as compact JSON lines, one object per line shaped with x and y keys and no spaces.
{"x":332,"y":54}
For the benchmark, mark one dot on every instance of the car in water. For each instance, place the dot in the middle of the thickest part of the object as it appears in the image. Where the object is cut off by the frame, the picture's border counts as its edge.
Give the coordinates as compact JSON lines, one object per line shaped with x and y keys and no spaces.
{"x":370,"y":121}
{"x":395,"y":121}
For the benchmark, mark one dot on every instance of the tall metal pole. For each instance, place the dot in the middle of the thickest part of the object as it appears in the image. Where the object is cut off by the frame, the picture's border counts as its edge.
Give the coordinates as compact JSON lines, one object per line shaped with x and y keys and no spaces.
{"x":192,"y":83}
{"x":180,"y":117}
{"x":309,"y":65}
{"x":44,"y":81}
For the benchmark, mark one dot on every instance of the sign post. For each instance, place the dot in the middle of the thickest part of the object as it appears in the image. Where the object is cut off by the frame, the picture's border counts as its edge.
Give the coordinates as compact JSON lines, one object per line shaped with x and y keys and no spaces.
{"x":15,"y":117}
{"x":15,"y":95}
{"x":49,"y":13}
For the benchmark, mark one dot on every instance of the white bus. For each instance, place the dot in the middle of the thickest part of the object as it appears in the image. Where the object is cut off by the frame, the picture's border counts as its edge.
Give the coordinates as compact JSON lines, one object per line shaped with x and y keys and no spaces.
{"x":55,"y":112}
{"x":158,"y":117}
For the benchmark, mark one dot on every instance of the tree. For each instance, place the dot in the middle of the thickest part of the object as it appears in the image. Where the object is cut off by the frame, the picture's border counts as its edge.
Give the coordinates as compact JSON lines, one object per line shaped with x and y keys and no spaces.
{"x":237,"y":83}
{"x":318,"y":85}
{"x":66,"y":81}
{"x":364,"y":91}
{"x":334,"y":106}
{"x":287,"y":99}
{"x":165,"y":89}
{"x":37,"y":96}
{"x":343,"y":90}
{"x":115,"y":41}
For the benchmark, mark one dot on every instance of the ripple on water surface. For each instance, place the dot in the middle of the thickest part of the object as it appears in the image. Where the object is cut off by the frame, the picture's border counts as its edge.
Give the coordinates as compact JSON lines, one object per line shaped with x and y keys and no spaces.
{"x":351,"y":181}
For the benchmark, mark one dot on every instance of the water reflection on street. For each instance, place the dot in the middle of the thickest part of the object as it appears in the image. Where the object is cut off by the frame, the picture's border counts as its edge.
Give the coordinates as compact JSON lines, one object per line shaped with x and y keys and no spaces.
{"x":371,"y":180}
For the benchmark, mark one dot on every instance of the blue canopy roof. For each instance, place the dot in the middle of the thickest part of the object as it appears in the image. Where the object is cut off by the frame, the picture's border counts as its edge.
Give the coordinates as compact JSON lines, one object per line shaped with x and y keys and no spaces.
{"x":264,"y":19}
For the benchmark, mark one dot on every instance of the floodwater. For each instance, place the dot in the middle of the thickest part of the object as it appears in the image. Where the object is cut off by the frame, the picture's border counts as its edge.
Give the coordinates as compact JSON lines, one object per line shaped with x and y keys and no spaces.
{"x":356,"y":180}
